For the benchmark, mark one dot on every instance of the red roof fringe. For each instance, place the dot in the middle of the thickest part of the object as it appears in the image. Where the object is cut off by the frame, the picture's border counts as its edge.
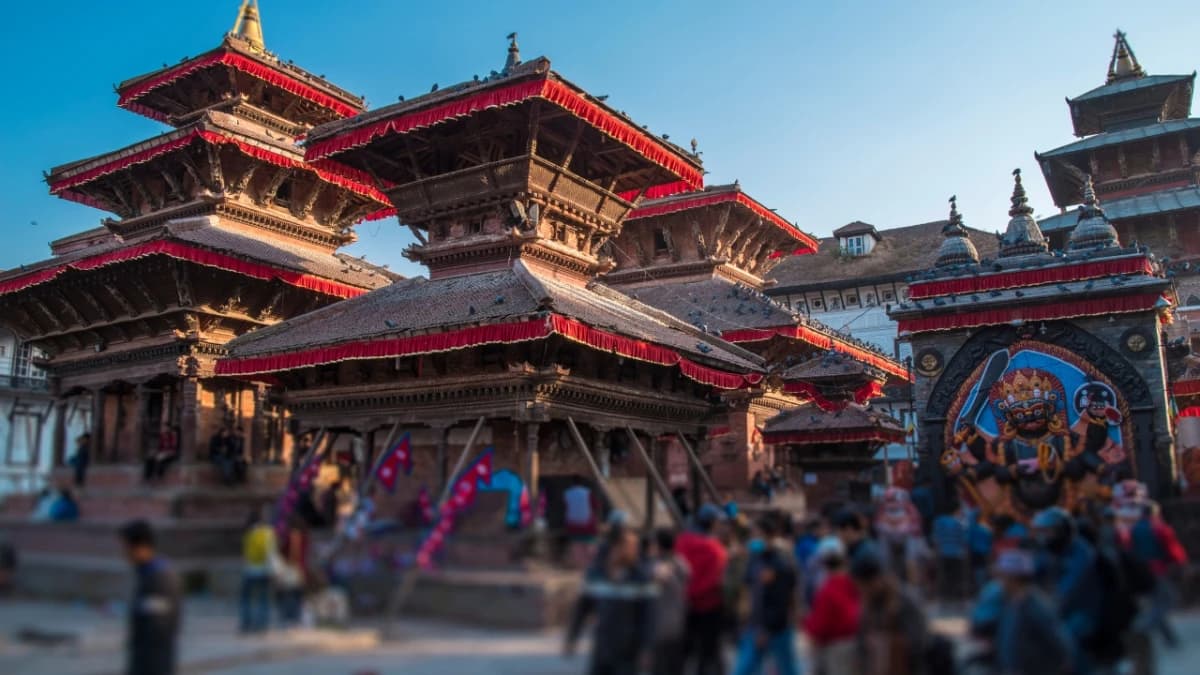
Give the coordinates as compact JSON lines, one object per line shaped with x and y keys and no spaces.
{"x":702,"y":199}
{"x":1021,"y":278}
{"x":551,"y":90}
{"x":331,"y":172}
{"x":819,"y":340}
{"x":193,"y":254}
{"x":1061,"y":310}
{"x":245,"y":64}
{"x":1190,"y":411}
{"x":658,"y":191}
{"x":505,"y":333}
{"x":833,"y":436}
{"x":811,"y":392}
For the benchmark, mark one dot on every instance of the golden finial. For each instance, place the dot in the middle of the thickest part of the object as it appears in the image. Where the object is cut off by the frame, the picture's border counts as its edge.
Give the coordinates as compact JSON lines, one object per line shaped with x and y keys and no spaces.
{"x":248,"y":26}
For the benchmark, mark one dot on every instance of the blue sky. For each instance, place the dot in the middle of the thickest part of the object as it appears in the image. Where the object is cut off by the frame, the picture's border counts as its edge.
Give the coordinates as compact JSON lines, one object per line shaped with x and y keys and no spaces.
{"x":828,"y":112}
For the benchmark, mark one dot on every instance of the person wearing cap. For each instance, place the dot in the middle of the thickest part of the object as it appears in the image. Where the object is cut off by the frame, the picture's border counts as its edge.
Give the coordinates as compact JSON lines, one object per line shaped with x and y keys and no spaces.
{"x":832,"y":622}
{"x":1030,"y":638}
{"x":155,"y":610}
{"x":706,"y":558}
{"x":893,"y":632}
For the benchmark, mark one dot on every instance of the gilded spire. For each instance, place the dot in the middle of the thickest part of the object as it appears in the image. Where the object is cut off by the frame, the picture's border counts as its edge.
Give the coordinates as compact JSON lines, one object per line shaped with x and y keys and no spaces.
{"x":957,"y":248}
{"x":1123,"y":65}
{"x":1023,"y":235}
{"x":248,"y":26}
{"x":514,"y":53}
{"x":1092,"y":230}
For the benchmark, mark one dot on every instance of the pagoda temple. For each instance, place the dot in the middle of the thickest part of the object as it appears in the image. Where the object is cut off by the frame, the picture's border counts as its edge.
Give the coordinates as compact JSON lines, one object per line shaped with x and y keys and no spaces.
{"x":218,"y":226}
{"x":1141,"y":148}
{"x":705,"y":257}
{"x":1042,"y":378}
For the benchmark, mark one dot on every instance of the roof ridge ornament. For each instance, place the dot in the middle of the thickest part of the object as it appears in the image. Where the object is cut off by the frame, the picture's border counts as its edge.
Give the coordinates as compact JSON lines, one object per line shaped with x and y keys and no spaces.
{"x":1124,"y":64}
{"x":248,"y":25}
{"x":1023,"y":235}
{"x":957,"y":248}
{"x":1092,"y":230}
{"x":514,"y":54}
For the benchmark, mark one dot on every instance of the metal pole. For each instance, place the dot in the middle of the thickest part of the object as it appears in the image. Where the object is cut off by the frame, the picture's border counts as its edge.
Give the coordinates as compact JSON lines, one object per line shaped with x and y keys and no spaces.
{"x":370,"y":480}
{"x":712,"y":489}
{"x":658,"y":481}
{"x":401,"y":596}
{"x":462,"y":459}
{"x":605,"y":486}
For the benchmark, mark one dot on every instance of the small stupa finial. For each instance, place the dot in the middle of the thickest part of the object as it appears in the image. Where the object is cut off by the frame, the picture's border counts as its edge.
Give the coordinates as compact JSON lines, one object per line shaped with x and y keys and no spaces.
{"x":1023,"y":235}
{"x":957,"y":248}
{"x":514,"y":53}
{"x":1092,"y":230}
{"x":248,"y":26}
{"x":1123,"y":65}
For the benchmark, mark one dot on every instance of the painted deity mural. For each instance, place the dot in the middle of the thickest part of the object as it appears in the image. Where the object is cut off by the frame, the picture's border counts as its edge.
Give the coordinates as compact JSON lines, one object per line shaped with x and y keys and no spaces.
{"x":1036,"y":426}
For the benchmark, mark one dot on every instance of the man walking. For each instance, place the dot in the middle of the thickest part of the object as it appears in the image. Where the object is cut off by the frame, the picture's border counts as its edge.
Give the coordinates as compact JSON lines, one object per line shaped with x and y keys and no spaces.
{"x":772,"y":580}
{"x":155,"y":610}
{"x":706,"y":558}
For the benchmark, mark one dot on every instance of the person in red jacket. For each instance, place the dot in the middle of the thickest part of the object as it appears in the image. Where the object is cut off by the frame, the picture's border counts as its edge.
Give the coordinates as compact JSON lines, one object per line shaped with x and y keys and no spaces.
{"x":706,"y":558}
{"x":832,"y":623}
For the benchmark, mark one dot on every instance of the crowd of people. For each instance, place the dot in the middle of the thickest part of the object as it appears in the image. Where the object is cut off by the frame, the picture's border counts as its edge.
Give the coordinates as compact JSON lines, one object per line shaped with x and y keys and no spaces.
{"x":1068,"y":593}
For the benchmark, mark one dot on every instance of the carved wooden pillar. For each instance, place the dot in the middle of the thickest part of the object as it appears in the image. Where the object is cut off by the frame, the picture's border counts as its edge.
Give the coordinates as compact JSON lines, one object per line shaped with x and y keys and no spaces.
{"x":258,"y":451}
{"x":97,"y":448}
{"x":59,"y":442}
{"x":532,"y":436}
{"x":140,"y":420}
{"x":188,"y":402}
{"x":602,"y":452}
{"x":442,"y":433}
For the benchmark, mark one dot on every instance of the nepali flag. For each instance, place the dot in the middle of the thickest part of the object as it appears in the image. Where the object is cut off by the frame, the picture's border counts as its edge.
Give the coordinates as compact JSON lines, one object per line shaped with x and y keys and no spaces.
{"x":397,"y":459}
{"x":425,"y":506}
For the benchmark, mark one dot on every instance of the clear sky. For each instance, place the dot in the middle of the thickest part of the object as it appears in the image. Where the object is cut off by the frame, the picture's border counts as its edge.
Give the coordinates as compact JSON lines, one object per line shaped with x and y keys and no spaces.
{"x":829,"y":112}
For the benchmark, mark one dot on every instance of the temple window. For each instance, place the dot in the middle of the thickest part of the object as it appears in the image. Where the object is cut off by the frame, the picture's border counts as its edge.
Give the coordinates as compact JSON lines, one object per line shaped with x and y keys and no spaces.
{"x":818,"y":304}
{"x":851,"y":299}
{"x":660,"y":242}
{"x":857,"y":245}
{"x":888,"y":296}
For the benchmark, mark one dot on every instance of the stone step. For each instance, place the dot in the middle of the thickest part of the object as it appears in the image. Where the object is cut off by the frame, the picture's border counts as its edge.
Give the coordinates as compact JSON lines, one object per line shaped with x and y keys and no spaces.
{"x":103,"y":578}
{"x":98,"y":538}
{"x":268,"y":476}
{"x":156,"y":502}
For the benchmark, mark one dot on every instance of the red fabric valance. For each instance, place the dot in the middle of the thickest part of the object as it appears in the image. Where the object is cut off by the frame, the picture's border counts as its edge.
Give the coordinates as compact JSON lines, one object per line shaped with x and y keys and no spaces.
{"x":551,"y":90}
{"x":820,"y":341}
{"x":331,"y":173}
{"x":529,"y":329}
{"x":1190,"y":411}
{"x":647,"y":351}
{"x":659,"y":191}
{"x":834,"y":436}
{"x":1021,"y":278}
{"x":505,"y":333}
{"x":809,"y":391}
{"x":701,"y":200}
{"x":189,"y":253}
{"x":867,"y":392}
{"x":128,"y":98}
{"x":1186,"y":388}
{"x":1061,"y":310}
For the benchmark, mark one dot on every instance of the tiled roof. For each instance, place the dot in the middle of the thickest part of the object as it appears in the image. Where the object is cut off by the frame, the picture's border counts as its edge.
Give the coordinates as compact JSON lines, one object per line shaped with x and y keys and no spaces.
{"x":832,"y":365}
{"x":810,"y":418}
{"x":901,"y":251}
{"x":1131,"y":85}
{"x":1163,"y":201}
{"x":857,"y":227}
{"x":283,"y":253}
{"x":420,"y":305}
{"x":1123,"y":136}
{"x":714,"y":304}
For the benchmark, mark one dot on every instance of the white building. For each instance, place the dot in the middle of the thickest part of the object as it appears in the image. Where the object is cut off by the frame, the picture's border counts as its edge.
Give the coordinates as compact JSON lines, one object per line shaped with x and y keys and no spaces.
{"x":27,"y":418}
{"x":851,"y":280}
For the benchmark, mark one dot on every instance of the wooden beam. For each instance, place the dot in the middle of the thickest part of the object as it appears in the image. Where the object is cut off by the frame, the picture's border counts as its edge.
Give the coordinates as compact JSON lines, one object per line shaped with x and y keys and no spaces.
{"x":272,"y":188}
{"x":183,"y":284}
{"x":303,"y":209}
{"x":458,"y":465}
{"x":659,"y":483}
{"x":602,"y":482}
{"x":695,"y":459}
{"x":243,"y":180}
{"x":94,"y":302}
{"x":73,"y":314}
{"x":142,"y":290}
